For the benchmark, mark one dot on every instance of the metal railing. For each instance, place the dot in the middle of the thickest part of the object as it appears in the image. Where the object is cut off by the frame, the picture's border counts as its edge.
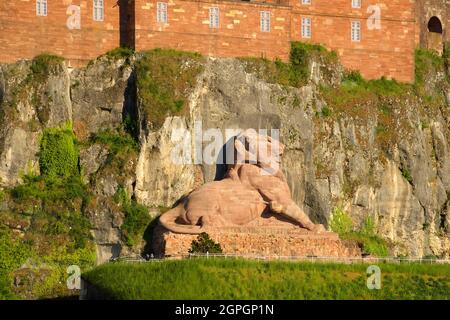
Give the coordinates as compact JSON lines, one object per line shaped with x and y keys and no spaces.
{"x":349,"y":260}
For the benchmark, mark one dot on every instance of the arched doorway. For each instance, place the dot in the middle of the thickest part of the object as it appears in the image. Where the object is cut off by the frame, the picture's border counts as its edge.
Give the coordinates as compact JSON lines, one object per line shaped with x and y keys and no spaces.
{"x":435,"y":35}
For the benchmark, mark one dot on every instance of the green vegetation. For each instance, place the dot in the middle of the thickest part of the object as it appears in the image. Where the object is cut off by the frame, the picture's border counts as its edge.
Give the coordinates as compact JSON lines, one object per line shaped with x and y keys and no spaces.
{"x":366,"y":236}
{"x":165,"y":78}
{"x":325,"y":112}
{"x":384,"y":101}
{"x":301,"y":56}
{"x":407,"y":175}
{"x":120,"y":53}
{"x":204,"y":244}
{"x":32,"y":86}
{"x":58,"y":154}
{"x":296,"y":72}
{"x":54,"y":231}
{"x":355,"y":91}
{"x":115,"y":54}
{"x":117,"y":141}
{"x":341,"y":223}
{"x":427,"y":61}
{"x":276,"y":71}
{"x":136,"y":219}
{"x":201,"y":278}
{"x":13,"y":253}
{"x":43,"y":64}
{"x":123,"y":150}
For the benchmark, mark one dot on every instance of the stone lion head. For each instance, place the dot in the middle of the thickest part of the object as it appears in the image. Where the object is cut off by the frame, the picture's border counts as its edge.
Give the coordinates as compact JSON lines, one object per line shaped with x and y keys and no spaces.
{"x":261,"y":150}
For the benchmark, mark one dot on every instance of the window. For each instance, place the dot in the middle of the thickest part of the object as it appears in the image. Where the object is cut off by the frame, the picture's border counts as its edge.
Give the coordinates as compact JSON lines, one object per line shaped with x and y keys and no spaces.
{"x":306,"y":27}
{"x":265,"y":21}
{"x":161,"y":12}
{"x":214,"y":17}
{"x":41,"y":8}
{"x":306,"y":1}
{"x":99,"y":10}
{"x":356,"y":3}
{"x":356,"y":31}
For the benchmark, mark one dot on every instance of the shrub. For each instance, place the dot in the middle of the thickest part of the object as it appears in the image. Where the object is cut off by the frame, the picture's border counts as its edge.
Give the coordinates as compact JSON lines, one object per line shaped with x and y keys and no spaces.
{"x":370,"y":244}
{"x":366,"y":237}
{"x":116,"y":141}
{"x":58,"y":155}
{"x":300,"y":59}
{"x":44,"y":63}
{"x":51,"y":189}
{"x":341,"y":223}
{"x":136,"y":218}
{"x":368,"y":227}
{"x":12,"y":255}
{"x":119,"y":53}
{"x":204,"y":244}
{"x":354,"y":76}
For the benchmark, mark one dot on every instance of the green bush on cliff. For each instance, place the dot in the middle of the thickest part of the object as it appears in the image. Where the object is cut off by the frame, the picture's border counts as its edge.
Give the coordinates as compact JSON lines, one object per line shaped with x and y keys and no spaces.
{"x":165,"y":78}
{"x":366,"y":236}
{"x":120,"y":53}
{"x":57,"y":233}
{"x":426,"y":61}
{"x":117,"y":142}
{"x":300,"y":58}
{"x":44,"y":63}
{"x":12,"y":254}
{"x":58,"y":155}
{"x":296,"y":72}
{"x":341,"y":223}
{"x":136,"y":218}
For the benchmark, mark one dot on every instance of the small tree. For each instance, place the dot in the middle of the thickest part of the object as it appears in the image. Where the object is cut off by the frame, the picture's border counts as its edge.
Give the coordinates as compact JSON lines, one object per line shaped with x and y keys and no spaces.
{"x":204,"y":244}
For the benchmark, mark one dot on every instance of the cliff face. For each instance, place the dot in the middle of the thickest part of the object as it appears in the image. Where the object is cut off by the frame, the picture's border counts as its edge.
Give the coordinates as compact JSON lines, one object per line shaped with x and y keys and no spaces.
{"x":385,"y":156}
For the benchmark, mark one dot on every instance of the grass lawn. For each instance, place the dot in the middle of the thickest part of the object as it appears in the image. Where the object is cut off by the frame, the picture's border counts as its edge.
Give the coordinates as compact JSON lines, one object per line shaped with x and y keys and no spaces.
{"x":243,"y":279}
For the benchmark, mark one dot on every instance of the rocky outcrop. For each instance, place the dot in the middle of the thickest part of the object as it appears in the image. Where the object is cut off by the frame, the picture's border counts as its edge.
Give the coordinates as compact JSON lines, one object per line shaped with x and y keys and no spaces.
{"x":402,"y":181}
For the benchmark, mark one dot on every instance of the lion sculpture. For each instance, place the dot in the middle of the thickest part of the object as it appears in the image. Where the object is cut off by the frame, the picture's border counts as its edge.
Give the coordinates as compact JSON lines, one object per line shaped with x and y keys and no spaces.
{"x":252,"y":185}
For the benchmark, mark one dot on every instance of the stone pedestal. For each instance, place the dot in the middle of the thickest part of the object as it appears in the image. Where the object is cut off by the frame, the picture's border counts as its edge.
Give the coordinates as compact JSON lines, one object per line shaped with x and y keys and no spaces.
{"x":264,"y":237}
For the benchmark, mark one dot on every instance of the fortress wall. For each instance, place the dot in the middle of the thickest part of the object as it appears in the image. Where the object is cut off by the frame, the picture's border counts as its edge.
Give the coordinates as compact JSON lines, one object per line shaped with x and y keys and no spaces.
{"x":238,"y":34}
{"x":387,"y":51}
{"x":23,"y":34}
{"x":427,"y":9}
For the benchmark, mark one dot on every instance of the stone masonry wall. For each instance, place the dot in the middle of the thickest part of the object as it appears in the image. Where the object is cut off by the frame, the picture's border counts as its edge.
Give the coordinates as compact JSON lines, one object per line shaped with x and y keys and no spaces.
{"x":263,"y":242}
{"x":264,"y":236}
{"x":23,"y":34}
{"x":239,"y":32}
{"x":388,"y":51}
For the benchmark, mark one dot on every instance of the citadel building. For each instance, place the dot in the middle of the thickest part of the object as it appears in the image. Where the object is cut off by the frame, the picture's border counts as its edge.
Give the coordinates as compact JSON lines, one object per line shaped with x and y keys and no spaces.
{"x":376,"y":37}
